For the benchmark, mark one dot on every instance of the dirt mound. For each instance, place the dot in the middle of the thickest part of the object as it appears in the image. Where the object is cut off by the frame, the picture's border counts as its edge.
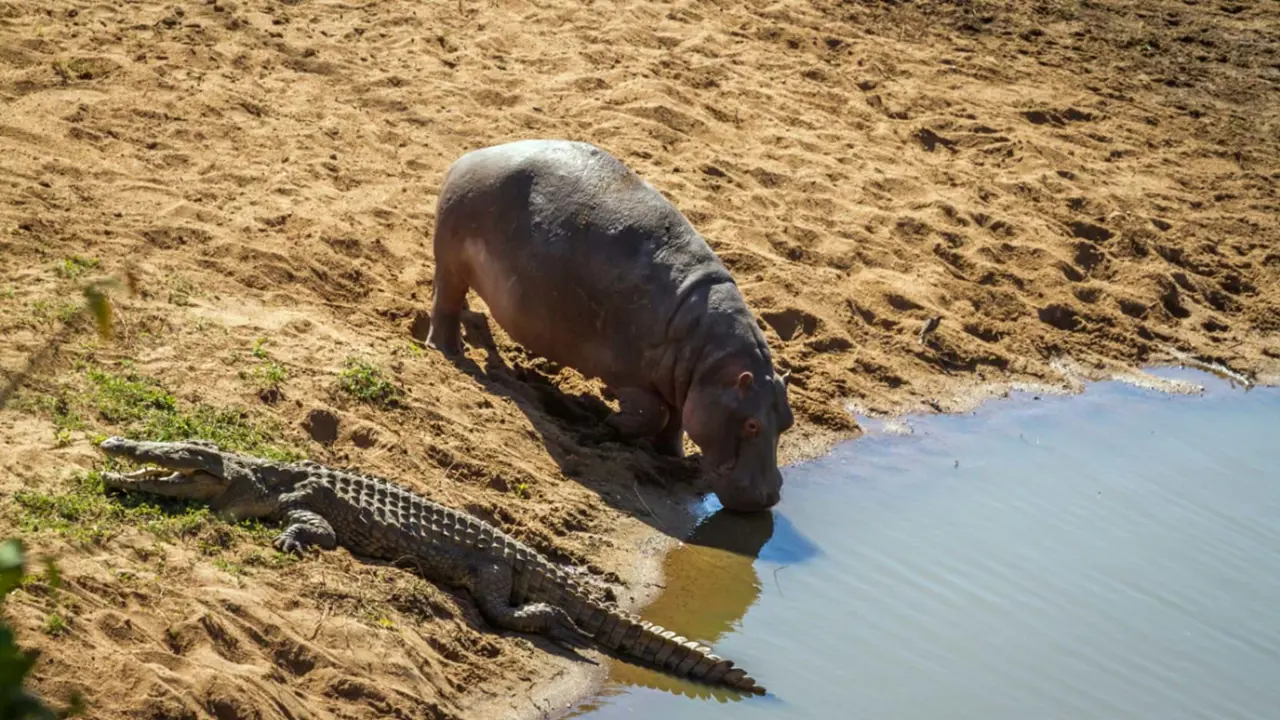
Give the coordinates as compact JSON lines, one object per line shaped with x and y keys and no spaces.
{"x":919,"y":199}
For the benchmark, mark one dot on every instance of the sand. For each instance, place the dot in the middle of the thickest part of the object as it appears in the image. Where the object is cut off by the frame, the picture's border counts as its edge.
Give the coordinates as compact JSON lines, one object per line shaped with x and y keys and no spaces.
{"x":1058,"y":190}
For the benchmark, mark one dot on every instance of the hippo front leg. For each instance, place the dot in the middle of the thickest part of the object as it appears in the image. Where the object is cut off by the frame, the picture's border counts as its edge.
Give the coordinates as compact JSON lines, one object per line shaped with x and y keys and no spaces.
{"x":670,"y":441}
{"x":645,"y":414}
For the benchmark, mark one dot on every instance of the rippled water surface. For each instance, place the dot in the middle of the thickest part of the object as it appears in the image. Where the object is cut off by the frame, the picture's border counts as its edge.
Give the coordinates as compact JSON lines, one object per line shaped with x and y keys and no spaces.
{"x":1110,"y":555}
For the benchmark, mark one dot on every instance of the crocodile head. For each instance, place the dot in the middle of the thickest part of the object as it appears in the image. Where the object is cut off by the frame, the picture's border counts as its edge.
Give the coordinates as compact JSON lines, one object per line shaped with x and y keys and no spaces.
{"x":235,"y":486}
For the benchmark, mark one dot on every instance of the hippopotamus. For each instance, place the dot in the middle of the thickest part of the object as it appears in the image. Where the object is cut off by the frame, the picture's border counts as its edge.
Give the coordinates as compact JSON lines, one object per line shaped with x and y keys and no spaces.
{"x":587,"y":265}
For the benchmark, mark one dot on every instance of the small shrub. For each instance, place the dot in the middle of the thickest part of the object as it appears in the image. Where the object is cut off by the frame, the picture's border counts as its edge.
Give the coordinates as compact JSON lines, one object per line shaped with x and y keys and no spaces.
{"x":55,"y":625}
{"x":75,"y":266}
{"x":366,"y":382}
{"x":267,"y":375}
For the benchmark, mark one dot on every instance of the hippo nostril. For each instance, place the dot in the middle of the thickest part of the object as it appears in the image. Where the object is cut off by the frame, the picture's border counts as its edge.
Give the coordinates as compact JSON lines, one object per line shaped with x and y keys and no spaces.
{"x":771,"y":497}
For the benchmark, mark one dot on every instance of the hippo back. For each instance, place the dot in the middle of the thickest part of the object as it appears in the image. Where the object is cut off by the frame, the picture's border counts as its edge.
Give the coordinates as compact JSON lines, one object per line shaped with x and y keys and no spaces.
{"x":578,"y":258}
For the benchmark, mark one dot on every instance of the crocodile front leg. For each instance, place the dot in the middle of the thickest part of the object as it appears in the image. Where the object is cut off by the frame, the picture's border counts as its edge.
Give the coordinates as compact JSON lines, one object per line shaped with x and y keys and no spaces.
{"x":305,"y":529}
{"x":491,"y":587}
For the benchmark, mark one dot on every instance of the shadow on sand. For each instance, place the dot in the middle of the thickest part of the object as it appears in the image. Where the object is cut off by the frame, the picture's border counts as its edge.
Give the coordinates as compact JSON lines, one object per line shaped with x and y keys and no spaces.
{"x":572,"y":428}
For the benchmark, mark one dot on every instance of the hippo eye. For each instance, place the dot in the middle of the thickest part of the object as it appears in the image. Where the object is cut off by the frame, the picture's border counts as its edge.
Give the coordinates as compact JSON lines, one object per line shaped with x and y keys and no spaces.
{"x":751,"y":427}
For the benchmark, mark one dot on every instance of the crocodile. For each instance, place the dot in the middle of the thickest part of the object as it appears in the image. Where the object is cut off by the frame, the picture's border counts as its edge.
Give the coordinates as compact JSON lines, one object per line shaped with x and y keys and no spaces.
{"x":514,"y":587}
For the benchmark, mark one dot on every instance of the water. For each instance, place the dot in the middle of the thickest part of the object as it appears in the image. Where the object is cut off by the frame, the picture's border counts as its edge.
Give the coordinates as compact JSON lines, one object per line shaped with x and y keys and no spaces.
{"x":1110,"y":555}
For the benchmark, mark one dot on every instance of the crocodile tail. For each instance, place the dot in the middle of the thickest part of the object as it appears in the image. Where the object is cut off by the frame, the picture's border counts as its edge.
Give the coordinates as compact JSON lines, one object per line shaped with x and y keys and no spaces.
{"x":663,"y":648}
{"x":626,"y":633}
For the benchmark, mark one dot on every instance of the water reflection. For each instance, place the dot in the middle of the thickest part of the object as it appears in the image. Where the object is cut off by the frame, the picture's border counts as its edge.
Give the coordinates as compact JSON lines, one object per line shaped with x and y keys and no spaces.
{"x":1114,"y":555}
{"x":717,"y":560}
{"x":767,"y":536}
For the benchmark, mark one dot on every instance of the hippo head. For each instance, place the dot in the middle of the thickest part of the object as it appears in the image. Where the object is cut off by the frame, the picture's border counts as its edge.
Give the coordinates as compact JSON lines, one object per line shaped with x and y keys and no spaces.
{"x":736,"y":418}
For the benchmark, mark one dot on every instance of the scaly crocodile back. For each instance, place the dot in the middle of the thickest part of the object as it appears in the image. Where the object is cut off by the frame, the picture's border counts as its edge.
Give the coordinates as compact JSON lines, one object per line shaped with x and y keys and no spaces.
{"x":374,"y":516}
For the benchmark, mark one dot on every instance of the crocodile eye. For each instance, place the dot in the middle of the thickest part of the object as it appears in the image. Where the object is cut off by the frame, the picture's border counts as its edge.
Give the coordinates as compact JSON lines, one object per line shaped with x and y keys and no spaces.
{"x":751,"y":428}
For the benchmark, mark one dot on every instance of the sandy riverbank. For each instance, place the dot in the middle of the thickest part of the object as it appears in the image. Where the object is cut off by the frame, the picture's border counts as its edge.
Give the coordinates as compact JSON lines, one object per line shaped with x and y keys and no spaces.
{"x":1071,"y":189}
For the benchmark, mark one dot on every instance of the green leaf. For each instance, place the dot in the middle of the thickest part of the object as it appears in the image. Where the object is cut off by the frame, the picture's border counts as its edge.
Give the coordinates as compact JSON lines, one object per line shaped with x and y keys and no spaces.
{"x":52,"y":576}
{"x":12,"y":561}
{"x":100,"y":306}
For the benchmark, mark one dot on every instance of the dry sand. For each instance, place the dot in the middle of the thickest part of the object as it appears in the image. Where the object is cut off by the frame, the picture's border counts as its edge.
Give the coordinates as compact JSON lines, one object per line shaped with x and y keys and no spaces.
{"x":1073,"y":188}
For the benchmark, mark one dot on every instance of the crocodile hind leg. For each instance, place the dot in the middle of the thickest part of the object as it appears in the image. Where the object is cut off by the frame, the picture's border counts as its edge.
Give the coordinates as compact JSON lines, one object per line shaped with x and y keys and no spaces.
{"x":491,"y":587}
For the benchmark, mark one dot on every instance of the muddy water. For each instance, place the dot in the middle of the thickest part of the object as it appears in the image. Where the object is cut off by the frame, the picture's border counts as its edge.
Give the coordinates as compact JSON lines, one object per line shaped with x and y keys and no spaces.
{"x":1110,"y":555}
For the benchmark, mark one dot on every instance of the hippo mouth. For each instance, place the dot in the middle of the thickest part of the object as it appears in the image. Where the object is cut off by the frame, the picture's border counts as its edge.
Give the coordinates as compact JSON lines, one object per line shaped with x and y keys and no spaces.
{"x":755,"y":493}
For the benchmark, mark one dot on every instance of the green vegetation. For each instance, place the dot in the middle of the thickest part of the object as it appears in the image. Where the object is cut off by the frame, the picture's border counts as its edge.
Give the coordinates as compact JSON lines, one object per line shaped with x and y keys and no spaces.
{"x":366,"y":382}
{"x":75,"y":266}
{"x":16,"y":701}
{"x":142,"y":408}
{"x":267,"y":375}
{"x":45,"y":311}
{"x":268,"y":559}
{"x":84,"y":514}
{"x":55,"y":625}
{"x":147,"y":410}
{"x":411,"y":348}
{"x":66,"y":419}
{"x":228,"y":567}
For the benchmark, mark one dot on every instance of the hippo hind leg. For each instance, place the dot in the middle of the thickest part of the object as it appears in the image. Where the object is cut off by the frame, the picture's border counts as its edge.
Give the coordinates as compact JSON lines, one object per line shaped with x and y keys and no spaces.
{"x":448,"y":301}
{"x":644,"y":414}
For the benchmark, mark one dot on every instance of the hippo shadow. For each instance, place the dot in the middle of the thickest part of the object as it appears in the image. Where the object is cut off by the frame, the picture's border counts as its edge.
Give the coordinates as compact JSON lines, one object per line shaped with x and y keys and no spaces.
{"x":572,"y":428}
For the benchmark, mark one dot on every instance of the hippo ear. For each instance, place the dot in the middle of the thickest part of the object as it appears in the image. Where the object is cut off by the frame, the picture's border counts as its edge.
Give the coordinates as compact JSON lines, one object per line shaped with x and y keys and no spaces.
{"x":744,"y":381}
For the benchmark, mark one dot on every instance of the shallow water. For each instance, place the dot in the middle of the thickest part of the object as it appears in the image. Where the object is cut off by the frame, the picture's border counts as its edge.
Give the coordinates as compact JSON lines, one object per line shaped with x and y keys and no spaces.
{"x":1109,"y":555}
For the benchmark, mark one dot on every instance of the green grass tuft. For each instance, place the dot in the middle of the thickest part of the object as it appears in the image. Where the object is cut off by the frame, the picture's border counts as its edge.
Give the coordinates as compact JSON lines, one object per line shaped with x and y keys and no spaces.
{"x":366,"y":382}
{"x":147,"y":411}
{"x":47,"y":311}
{"x":75,"y":266}
{"x":84,"y":514}
{"x":269,"y":559}
{"x":267,"y":377}
{"x":55,"y":625}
